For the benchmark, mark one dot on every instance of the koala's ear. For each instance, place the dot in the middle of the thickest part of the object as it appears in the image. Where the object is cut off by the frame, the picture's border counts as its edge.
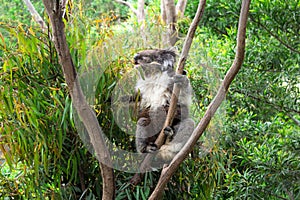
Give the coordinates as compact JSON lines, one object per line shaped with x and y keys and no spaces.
{"x":174,"y":49}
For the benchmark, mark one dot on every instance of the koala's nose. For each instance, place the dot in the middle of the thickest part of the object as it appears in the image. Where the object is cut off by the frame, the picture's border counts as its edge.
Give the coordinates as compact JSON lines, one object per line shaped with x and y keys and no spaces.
{"x":135,"y":58}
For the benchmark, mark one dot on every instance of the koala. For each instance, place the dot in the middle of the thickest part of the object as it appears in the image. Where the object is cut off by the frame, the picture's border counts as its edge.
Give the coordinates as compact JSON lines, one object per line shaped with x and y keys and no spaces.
{"x":154,"y":86}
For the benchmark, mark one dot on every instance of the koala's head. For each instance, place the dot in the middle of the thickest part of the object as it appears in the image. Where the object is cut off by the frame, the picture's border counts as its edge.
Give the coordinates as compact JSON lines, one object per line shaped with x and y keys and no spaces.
{"x":166,"y":58}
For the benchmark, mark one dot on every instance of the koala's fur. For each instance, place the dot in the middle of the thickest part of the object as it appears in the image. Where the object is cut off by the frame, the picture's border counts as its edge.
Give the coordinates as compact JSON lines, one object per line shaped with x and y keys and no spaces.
{"x":155,"y":86}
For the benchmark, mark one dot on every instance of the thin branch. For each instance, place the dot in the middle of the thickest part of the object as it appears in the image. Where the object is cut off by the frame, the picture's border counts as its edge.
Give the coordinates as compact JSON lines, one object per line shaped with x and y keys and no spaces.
{"x":167,"y":172}
{"x":296,"y":121}
{"x":180,"y":67}
{"x":126,"y":3}
{"x":275,"y":36}
{"x":87,"y":115}
{"x":36,"y":16}
{"x":264,"y":100}
{"x":188,"y":41}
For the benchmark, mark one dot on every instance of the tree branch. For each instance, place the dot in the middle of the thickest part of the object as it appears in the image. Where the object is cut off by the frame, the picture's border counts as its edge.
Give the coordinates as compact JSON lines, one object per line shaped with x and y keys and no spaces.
{"x":128,"y":5}
{"x":167,"y":172}
{"x":180,"y":66}
{"x":275,"y":36}
{"x":36,"y":16}
{"x":55,"y":11}
{"x":186,"y":47}
{"x":283,"y":109}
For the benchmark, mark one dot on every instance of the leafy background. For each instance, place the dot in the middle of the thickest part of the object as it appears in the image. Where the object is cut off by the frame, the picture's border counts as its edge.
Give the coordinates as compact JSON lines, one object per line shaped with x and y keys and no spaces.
{"x":256,"y":152}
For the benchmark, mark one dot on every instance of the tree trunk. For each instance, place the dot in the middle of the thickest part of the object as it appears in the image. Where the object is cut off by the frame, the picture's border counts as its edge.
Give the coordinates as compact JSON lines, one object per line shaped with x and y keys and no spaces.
{"x":55,"y":12}
{"x":163,"y":11}
{"x":141,"y":12}
{"x":171,"y":21}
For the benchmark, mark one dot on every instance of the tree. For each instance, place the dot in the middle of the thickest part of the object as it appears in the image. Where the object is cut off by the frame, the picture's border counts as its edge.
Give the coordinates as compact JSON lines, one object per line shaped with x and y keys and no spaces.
{"x":55,"y":12}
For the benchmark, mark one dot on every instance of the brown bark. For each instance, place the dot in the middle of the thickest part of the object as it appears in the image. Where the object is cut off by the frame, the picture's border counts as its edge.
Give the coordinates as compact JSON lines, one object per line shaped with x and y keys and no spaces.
{"x":55,"y":11}
{"x":171,"y":21}
{"x":163,"y":11}
{"x":167,"y":172}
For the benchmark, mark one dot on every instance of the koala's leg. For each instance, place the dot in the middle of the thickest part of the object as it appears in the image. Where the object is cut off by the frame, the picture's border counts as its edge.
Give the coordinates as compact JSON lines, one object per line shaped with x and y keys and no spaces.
{"x":144,"y":136}
{"x":147,"y":130}
{"x":183,"y":131}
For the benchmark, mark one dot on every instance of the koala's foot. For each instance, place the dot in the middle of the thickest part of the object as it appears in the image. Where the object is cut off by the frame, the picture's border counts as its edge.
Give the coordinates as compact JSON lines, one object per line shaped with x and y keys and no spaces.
{"x":147,"y":148}
{"x":169,"y":133}
{"x":151,"y":148}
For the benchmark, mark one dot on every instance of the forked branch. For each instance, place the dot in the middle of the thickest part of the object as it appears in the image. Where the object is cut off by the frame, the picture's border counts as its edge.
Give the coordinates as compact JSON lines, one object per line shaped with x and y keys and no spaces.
{"x":167,"y":172}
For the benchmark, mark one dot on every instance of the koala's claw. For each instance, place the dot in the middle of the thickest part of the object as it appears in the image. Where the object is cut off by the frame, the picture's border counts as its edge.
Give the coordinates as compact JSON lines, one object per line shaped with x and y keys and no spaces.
{"x":168,"y":131}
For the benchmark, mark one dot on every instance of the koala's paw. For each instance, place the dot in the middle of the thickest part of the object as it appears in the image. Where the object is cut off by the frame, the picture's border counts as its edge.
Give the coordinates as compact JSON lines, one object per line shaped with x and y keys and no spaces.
{"x":151,"y":148}
{"x":168,"y":131}
{"x":180,"y":79}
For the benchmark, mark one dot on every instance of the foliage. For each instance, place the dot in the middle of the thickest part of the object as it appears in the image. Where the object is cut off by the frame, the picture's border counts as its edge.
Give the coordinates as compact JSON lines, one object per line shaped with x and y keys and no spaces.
{"x":250,"y":151}
{"x":35,"y":114}
{"x":262,"y":125}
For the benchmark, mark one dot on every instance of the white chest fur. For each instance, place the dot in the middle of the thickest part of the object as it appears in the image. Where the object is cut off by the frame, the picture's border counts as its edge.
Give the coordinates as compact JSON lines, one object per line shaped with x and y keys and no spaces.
{"x":154,"y":90}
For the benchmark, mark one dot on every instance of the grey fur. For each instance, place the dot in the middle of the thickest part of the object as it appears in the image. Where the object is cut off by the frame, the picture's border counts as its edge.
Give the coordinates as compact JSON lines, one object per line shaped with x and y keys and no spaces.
{"x":155,"y":85}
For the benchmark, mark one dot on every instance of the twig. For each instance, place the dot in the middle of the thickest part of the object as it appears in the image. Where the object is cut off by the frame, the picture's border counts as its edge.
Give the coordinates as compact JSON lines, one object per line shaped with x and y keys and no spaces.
{"x":36,"y":16}
{"x":128,"y":5}
{"x":275,"y":36}
{"x":283,"y":109}
{"x":167,"y":172}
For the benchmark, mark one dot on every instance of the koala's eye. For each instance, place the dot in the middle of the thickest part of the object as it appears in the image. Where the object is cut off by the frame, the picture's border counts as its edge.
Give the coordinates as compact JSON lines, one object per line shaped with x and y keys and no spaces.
{"x":146,"y":59}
